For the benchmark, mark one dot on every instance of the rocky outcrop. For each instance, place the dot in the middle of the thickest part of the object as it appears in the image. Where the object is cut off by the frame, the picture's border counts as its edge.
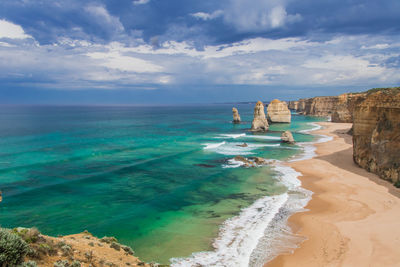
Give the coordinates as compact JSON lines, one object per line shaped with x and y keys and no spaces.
{"x":287,"y":137}
{"x":376,"y":134}
{"x":236,"y":116}
{"x":251,"y":161}
{"x":260,"y":123}
{"x":278,"y":111}
{"x":82,"y":249}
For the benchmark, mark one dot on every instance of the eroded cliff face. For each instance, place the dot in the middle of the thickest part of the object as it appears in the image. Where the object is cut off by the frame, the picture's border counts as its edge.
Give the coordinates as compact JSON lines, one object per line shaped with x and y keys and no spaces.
{"x":320,"y":106}
{"x":340,"y":108}
{"x":278,"y":111}
{"x":376,"y":134}
{"x":343,"y":112}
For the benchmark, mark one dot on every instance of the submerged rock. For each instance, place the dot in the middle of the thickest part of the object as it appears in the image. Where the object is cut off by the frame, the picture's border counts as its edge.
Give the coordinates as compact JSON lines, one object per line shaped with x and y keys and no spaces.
{"x":243,"y":145}
{"x":251,"y":161}
{"x":260,"y":123}
{"x":258,"y":160}
{"x":236,"y":116}
{"x":287,"y":137}
{"x":278,"y":111}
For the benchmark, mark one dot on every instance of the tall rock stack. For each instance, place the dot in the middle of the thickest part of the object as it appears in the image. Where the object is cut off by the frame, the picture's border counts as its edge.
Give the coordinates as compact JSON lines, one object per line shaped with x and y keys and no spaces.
{"x":293,"y":105}
{"x":376,"y":134}
{"x":278,"y":111}
{"x":260,"y":123}
{"x":236,"y":116}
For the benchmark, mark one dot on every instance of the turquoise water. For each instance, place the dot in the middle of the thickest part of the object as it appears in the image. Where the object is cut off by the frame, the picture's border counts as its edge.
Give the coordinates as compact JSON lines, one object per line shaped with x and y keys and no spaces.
{"x":141,"y":174}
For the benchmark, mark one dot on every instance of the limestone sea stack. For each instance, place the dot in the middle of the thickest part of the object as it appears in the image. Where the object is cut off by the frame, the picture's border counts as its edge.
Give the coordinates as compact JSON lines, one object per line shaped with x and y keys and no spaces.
{"x":260,"y":123}
{"x":287,"y":137}
{"x":278,"y":111}
{"x":236,"y":116}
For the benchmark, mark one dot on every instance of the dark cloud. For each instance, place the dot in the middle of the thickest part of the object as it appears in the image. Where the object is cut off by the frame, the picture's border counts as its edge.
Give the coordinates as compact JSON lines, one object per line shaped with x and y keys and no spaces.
{"x":227,"y":20}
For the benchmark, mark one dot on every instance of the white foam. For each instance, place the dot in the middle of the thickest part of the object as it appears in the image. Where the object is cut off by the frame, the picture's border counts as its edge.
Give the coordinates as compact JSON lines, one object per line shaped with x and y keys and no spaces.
{"x":315,"y":127}
{"x":251,"y":238}
{"x":266,"y":137}
{"x":238,"y":236}
{"x":235,"y":148}
{"x":234,"y":136}
{"x":232,"y":163}
{"x":213,"y":145}
{"x":308,"y":147}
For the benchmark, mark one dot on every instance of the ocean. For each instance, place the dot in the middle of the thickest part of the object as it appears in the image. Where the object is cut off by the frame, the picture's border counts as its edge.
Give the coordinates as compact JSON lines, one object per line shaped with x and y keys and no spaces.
{"x":160,"y":179}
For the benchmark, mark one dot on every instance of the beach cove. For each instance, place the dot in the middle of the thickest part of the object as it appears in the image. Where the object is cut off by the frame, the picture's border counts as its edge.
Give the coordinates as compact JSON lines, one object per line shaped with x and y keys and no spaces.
{"x":353,"y":215}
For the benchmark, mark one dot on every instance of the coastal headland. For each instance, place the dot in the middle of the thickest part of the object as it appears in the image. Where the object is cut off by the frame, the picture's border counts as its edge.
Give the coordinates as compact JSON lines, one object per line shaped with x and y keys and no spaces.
{"x":352,"y":219}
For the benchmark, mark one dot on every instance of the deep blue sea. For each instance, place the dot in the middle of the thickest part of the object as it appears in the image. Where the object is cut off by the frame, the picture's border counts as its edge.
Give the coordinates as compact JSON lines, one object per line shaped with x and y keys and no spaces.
{"x":160,"y":179}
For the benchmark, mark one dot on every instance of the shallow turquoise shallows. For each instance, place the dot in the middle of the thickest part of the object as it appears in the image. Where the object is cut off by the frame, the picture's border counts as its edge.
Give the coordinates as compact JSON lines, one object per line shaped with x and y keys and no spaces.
{"x":157,"y":178}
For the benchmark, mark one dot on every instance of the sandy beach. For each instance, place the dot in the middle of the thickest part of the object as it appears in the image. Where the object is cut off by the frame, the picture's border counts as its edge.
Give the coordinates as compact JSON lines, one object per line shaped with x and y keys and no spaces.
{"x":353,"y":217}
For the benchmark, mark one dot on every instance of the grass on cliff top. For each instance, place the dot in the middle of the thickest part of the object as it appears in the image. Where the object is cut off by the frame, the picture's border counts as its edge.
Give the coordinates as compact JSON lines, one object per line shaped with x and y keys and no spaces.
{"x":389,"y":90}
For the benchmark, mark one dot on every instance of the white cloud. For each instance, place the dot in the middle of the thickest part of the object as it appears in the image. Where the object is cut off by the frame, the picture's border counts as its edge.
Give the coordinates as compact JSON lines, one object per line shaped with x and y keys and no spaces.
{"x":104,"y":18}
{"x":377,"y":46}
{"x":258,"y":61}
{"x":258,"y":15}
{"x":114,"y":60}
{"x":140,"y":2}
{"x":207,"y":16}
{"x":12,"y":31}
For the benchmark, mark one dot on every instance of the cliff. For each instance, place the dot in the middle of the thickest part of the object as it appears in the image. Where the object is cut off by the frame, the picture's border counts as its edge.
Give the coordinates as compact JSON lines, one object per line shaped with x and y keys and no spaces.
{"x":343,"y":112}
{"x":318,"y":106}
{"x":340,"y":108}
{"x":260,"y":123}
{"x":376,"y":133}
{"x":278,"y":111}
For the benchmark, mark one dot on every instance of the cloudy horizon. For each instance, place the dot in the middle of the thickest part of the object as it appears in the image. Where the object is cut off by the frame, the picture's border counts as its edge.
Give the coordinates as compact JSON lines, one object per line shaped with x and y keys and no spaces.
{"x":175,"y":51}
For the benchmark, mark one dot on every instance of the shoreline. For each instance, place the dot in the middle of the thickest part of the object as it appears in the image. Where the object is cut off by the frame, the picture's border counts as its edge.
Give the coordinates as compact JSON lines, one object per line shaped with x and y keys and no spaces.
{"x":343,"y":222}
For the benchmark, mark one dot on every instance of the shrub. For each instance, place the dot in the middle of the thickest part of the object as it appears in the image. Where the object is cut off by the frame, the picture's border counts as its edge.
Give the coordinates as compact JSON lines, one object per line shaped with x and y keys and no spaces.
{"x":47,"y":248}
{"x":115,"y":246}
{"x":128,"y":250}
{"x":61,"y":263}
{"x":12,"y":248}
{"x":108,"y":239}
{"x":29,"y":264}
{"x":76,"y":263}
{"x":66,"y":250}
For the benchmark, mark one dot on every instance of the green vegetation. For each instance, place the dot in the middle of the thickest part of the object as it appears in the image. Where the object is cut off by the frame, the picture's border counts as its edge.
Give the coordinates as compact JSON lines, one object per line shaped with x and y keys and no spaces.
{"x":389,"y":90}
{"x":108,"y":239}
{"x":29,"y":264}
{"x":127,"y":250}
{"x":29,"y":235}
{"x":115,"y":246}
{"x":65,"y":263}
{"x":12,"y":248}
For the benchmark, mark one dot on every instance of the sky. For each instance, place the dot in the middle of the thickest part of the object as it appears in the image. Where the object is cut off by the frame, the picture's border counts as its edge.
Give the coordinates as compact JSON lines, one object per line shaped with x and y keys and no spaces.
{"x":194,"y":51}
